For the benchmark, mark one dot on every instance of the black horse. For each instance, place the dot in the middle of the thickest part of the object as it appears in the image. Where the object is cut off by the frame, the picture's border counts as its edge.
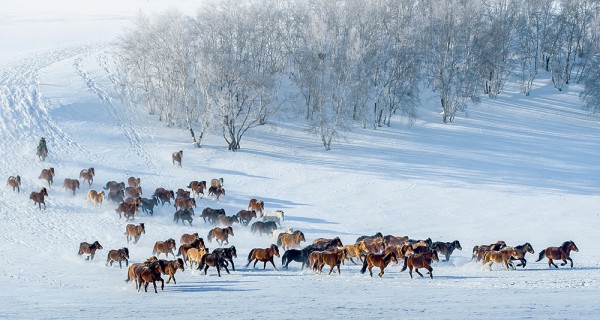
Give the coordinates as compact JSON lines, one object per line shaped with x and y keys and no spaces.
{"x":184,"y":215}
{"x":375,"y":236}
{"x":149,"y":204}
{"x":211,"y":214}
{"x":227,"y":254}
{"x":292,"y":255}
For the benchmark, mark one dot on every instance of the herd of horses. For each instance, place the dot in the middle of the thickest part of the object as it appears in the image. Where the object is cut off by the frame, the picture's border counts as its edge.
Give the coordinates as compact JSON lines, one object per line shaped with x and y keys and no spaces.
{"x":376,"y":251}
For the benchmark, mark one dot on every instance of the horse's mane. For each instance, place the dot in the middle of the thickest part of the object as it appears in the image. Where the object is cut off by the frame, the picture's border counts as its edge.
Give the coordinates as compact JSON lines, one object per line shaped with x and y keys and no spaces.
{"x":566,"y":245}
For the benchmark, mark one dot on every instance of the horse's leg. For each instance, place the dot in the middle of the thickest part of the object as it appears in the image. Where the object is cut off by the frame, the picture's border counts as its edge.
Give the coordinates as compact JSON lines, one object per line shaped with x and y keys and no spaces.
{"x":371,"y":271}
{"x":273,"y":263}
{"x":146,"y":283}
{"x":265,"y":265}
{"x":154,"y":283}
{"x":218,"y":269}
{"x":226,"y":269}
{"x":417,"y":271}
{"x":430,"y":271}
{"x":338,"y":267}
{"x":162,"y":284}
{"x":568,"y":258}
{"x":410,"y":269}
{"x":254,"y":266}
{"x":551,"y":263}
{"x":381,"y":268}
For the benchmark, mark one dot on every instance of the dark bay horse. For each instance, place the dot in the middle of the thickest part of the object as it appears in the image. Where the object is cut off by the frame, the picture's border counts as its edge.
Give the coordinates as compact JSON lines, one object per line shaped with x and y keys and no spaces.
{"x":166,"y":247}
{"x":38,"y":198}
{"x":149,"y":273}
{"x":520,"y":253}
{"x":14,"y":182}
{"x":380,"y":260}
{"x":184,"y":215}
{"x":217,"y":192}
{"x":420,"y":260}
{"x":86,"y":248}
{"x":48,"y":175}
{"x":559,"y":253}
{"x":446,"y":248}
{"x":118,"y":255}
{"x":245,"y":216}
{"x":221,"y":234}
{"x":213,"y":259}
{"x":197,"y":187}
{"x":87,"y":175}
{"x":264,"y":255}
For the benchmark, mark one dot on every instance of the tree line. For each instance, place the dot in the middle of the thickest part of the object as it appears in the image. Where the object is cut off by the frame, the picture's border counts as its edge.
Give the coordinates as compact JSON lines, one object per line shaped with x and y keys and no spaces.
{"x":353,"y":63}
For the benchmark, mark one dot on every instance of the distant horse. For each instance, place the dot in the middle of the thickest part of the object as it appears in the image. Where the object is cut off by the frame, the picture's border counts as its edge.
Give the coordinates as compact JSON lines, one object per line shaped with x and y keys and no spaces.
{"x":256,"y":205}
{"x":420,"y":260}
{"x":183,"y":194}
{"x":394,"y":240}
{"x":185,"y":203}
{"x":221,"y":234}
{"x":563,"y":253}
{"x":217,"y":192}
{"x":289,"y":241}
{"x":264,"y":255}
{"x":118,"y":255}
{"x":42,"y":153}
{"x":245,"y":216}
{"x":520,"y":253}
{"x":375,"y":236}
{"x":185,"y":248}
{"x":86,"y":248}
{"x":170,"y":267}
{"x":195,"y":255}
{"x":176,"y":157}
{"x":129,"y":210}
{"x":14,"y":182}
{"x":134,"y":232}
{"x":197,"y":187}
{"x":446,"y":248}
{"x":87,"y":175}
{"x":165,"y":247}
{"x":116,"y":196}
{"x":133,"y":192}
{"x":48,"y":175}
{"x":213,"y":259}
{"x":335,"y":242}
{"x":263,"y":227}
{"x":227,"y":254}
{"x":71,"y":184}
{"x":277,"y":232}
{"x":211,"y":214}
{"x":187,"y":238}
{"x":218,"y":183}
{"x":502,"y":256}
{"x":357,"y":250}
{"x":133,"y":182}
{"x":95,"y":196}
{"x":184,"y":215}
{"x":379,"y":260}
{"x":114,"y":186}
{"x":38,"y":198}
{"x":225,"y":221}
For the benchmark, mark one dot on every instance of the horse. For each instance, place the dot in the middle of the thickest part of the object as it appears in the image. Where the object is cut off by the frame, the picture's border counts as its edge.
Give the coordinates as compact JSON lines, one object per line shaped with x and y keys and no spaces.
{"x":211,"y":214}
{"x":135,"y":268}
{"x":479,"y":251}
{"x":217,"y":192}
{"x":133,"y":192}
{"x":165,"y":247}
{"x":148,"y":204}
{"x":134,"y":182}
{"x":87,"y":175}
{"x":197,"y":187}
{"x":147,"y":274}
{"x":184,"y":215}
{"x":225,"y":221}
{"x":195,"y":255}
{"x":426,"y":242}
{"x":375,"y":236}
{"x":561,"y":253}
{"x":42,"y":153}
{"x":176,"y":157}
{"x":71,"y":184}
{"x":306,"y":251}
{"x":331,"y":258}
{"x":263,"y":227}
{"x":48,"y":175}
{"x":116,"y":196}
{"x":292,"y":255}
{"x":520,"y":253}
{"x":394,"y":240}
{"x":228,"y":254}
{"x":356,"y":250}
{"x":287,"y":240}
{"x":264,"y":255}
{"x":170,"y":267}
{"x":187,"y":238}
{"x":128,"y":209}
{"x":218,"y":183}
{"x":213,"y":259}
{"x":134,"y":232}
{"x":185,"y":203}
{"x":14,"y":182}
{"x":336,"y":242}
{"x":380,"y":260}
{"x":375,"y":245}
{"x":185,"y":248}
{"x":182,"y":194}
{"x":502,"y":256}
{"x":256,"y":205}
{"x":420,"y":260}
{"x":38,"y":197}
{"x":272,"y":218}
{"x":221,"y":234}
{"x":245,"y":216}
{"x":96,"y":197}
{"x":90,"y":249}
{"x":164,"y":195}
{"x":118,"y":255}
{"x":277,"y":232}
{"x":400,"y":251}
{"x":114,"y":186}
{"x":446,"y":248}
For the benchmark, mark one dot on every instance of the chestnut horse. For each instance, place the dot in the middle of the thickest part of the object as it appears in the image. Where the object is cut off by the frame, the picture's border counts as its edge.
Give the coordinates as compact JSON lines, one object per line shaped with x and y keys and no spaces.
{"x":289,"y":241}
{"x":227,"y":254}
{"x":129,"y":209}
{"x":133,"y":192}
{"x":221,"y":234}
{"x":95,"y":196}
{"x":48,"y":175}
{"x":177,"y":157}
{"x":400,"y":251}
{"x":420,"y":260}
{"x":521,"y":251}
{"x":185,"y":248}
{"x":557,"y":253}
{"x":245,"y":216}
{"x":332,"y":258}
{"x":380,"y":260}
{"x":195,"y":255}
{"x":502,"y":256}
{"x":90,"y":249}
{"x":164,"y":195}
{"x":479,"y":251}
{"x":185,"y":203}
{"x":14,"y":182}
{"x":188,"y":238}
{"x":71,"y":184}
{"x":264,"y":255}
{"x":135,"y":268}
{"x":356,"y":250}
{"x":323,"y":242}
{"x":165,"y":247}
{"x":197,"y":187}
{"x":446,"y":248}
{"x":118,"y":255}
{"x":257,"y":206}
{"x":38,"y":198}
{"x":134,"y":232}
{"x":87,"y":175}
{"x":170,"y":267}
{"x":147,"y":274}
{"x":133,"y":182}
{"x":213,"y":259}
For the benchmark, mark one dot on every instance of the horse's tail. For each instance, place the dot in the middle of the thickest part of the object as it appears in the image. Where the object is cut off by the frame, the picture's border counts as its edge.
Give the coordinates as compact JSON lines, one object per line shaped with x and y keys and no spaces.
{"x":202,"y":262}
{"x":405,"y":263}
{"x":154,"y":250}
{"x":364,"y":266}
{"x":542,"y":253}
{"x":210,"y":235}
{"x":250,"y":254}
{"x":279,"y":240}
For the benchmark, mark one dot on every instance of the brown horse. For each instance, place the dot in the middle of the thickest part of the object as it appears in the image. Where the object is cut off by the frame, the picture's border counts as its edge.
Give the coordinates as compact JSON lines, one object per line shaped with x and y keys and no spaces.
{"x":446,"y":248}
{"x":183,"y":193}
{"x":165,"y":247}
{"x":87,"y":175}
{"x":197,"y":187}
{"x":188,"y":238}
{"x":151,"y":273}
{"x":134,"y":232}
{"x":521,"y":251}
{"x":71,"y":184}
{"x":324,"y":242}
{"x":257,"y":206}
{"x":557,"y":253}
{"x":395,"y":240}
{"x":221,"y":234}
{"x":129,"y":210}
{"x":48,"y":175}
{"x":213,"y":259}
{"x":290,"y":240}
{"x":356,"y":250}
{"x":133,"y":182}
{"x":135,"y":268}
{"x":245,"y":216}
{"x":225,"y":221}
{"x":118,"y":255}
{"x":133,"y":192}
{"x":332,"y":258}
{"x":14,"y":182}
{"x":375,"y":245}
{"x":164,"y":195}
{"x":217,"y":192}
{"x":90,"y":249}
{"x":95,"y":196}
{"x":114,"y":186}
{"x":264,"y":255}
{"x":170,"y":267}
{"x":400,"y":251}
{"x":195,"y":255}
{"x":185,"y":248}
{"x":479,"y":251}
{"x":177,"y":157}
{"x":380,"y":260}
{"x":185,"y":203}
{"x":420,"y":260}
{"x":502,"y":256}
{"x":38,"y":198}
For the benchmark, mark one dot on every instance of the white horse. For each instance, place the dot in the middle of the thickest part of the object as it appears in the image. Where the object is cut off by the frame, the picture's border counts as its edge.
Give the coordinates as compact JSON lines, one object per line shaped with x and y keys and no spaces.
{"x":277,"y":213}
{"x":277,"y":232}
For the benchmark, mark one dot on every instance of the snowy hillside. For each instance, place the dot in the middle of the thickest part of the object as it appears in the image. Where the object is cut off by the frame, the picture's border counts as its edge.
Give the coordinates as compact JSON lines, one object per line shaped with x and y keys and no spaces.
{"x":519,"y":169}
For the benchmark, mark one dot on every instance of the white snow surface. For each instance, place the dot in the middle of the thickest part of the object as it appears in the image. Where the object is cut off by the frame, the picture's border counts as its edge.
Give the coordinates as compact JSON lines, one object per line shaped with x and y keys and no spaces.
{"x":519,"y":169}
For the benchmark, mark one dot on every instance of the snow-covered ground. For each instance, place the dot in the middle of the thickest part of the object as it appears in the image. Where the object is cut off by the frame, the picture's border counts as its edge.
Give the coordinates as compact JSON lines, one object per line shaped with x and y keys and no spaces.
{"x":519,"y":169}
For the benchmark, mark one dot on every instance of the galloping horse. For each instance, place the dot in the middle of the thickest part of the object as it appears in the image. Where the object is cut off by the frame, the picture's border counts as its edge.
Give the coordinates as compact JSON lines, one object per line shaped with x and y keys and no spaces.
{"x":185,"y":248}
{"x":379,"y":260}
{"x":420,"y":260}
{"x":225,"y":221}
{"x":134,"y":232}
{"x":479,"y":251}
{"x":165,"y":247}
{"x":151,"y":273}
{"x":245,"y":216}
{"x":87,"y":175}
{"x":185,"y":203}
{"x":14,"y":182}
{"x":133,"y":182}
{"x":256,"y":205}
{"x":221,"y":234}
{"x":118,"y":255}
{"x":561,"y":253}
{"x":264,"y":255}
{"x":446,"y":248}
{"x":521,"y":251}
{"x":71,"y":184}
{"x":95,"y":196}
{"x":194,"y":255}
{"x":502,"y":256}
{"x":169,"y":267}
{"x":90,"y":249}
{"x":263,"y":227}
{"x":48,"y":175}
{"x":188,"y":238}
{"x":357,"y":250}
{"x":184,"y":215}
{"x":38,"y":197}
{"x":227,"y":254}
{"x":336,"y":242}
{"x":289,"y":241}
{"x":211,"y":214}
{"x":217,"y":192}
{"x":177,"y":157}
{"x":213,"y":259}
{"x":129,"y":210}
{"x":332,"y":258}
{"x":197,"y":187}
